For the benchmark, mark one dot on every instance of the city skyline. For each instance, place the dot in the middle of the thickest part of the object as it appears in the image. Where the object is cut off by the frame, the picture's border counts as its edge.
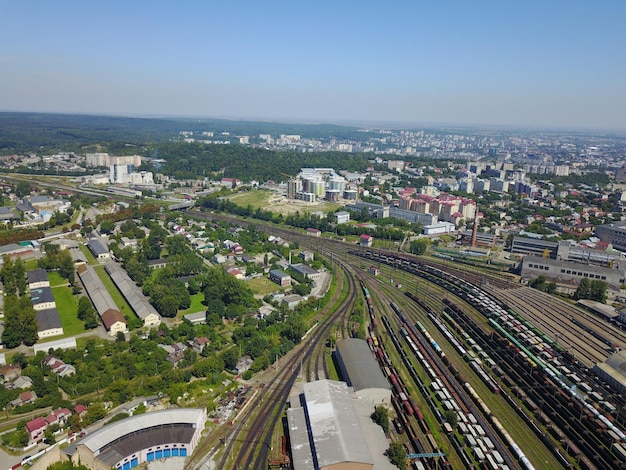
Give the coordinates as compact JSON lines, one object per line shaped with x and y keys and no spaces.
{"x":556,"y":65}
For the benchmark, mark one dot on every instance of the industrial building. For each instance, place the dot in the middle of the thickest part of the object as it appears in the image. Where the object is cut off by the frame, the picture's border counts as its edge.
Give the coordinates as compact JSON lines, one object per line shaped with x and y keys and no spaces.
{"x":106,"y":307}
{"x":613,"y":371}
{"x":143,"y":438}
{"x":133,"y":295}
{"x":568,"y":273}
{"x":613,"y":233}
{"x":330,"y":428}
{"x":360,"y":370}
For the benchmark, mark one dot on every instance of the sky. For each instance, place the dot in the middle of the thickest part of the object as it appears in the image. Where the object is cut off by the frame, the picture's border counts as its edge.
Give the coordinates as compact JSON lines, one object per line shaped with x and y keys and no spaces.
{"x":555,"y":64}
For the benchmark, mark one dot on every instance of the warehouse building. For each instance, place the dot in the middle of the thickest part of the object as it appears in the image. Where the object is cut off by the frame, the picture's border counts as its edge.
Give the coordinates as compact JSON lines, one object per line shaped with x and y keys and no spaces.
{"x":329,"y":428}
{"x":106,"y":307}
{"x":613,"y":371}
{"x":567,"y":274}
{"x":360,"y":370}
{"x":133,"y":295}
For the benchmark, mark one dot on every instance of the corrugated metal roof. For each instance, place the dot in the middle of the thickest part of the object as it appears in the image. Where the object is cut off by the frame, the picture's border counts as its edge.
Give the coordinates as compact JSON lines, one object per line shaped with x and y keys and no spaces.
{"x":302,"y":457}
{"x":133,"y":295}
{"x":361,"y":367}
{"x":98,"y":294}
{"x":335,"y":426}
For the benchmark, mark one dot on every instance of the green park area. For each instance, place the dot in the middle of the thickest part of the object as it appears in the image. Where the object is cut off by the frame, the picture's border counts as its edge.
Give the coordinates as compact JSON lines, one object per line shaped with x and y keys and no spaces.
{"x":67,"y":306}
{"x":196,"y":304}
{"x":262,"y":286}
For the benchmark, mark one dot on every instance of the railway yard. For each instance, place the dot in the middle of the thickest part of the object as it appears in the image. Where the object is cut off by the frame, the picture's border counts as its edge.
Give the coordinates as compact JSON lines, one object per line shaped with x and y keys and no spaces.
{"x":484,"y":373}
{"x":548,"y":386}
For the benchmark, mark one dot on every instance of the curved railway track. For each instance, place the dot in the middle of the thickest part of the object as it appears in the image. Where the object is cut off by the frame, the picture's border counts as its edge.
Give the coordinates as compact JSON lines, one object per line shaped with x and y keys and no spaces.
{"x":255,"y":452}
{"x":554,"y":317}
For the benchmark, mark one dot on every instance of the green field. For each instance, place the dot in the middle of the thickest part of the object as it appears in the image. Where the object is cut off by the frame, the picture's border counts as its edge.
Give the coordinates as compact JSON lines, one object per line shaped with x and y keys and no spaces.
{"x":270,"y":201}
{"x":196,"y":304}
{"x":117,"y":296}
{"x":56,"y":279}
{"x":67,"y":305}
{"x":259,"y":198}
{"x":89,"y":257}
{"x":30,"y":264}
{"x":262,"y":286}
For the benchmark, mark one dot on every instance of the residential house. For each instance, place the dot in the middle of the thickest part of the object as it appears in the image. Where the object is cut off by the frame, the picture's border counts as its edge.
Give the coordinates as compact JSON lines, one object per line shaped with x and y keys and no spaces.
{"x":25,"y":397}
{"x":342,"y":217}
{"x":37,"y":278}
{"x":80,"y":410}
{"x":42,"y":298}
{"x":157,"y":263}
{"x":36,"y":429}
{"x":23,"y":382}
{"x":236,"y":273}
{"x":98,"y":250}
{"x":59,"y":367}
{"x":58,"y":416}
{"x":10,"y":372}
{"x":292,"y":301}
{"x":306,"y":255}
{"x":114,"y":321}
{"x":198,"y":344}
{"x":175,"y":352}
{"x":243,"y":364}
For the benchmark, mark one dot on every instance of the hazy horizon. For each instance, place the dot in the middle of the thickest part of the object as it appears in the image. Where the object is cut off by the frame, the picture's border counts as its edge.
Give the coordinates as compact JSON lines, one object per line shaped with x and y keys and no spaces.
{"x":530,"y":65}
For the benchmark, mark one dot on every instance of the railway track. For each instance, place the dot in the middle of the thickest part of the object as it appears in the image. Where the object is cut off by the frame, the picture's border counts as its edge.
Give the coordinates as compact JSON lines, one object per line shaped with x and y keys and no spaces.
{"x":554,"y":317}
{"x":256,"y":451}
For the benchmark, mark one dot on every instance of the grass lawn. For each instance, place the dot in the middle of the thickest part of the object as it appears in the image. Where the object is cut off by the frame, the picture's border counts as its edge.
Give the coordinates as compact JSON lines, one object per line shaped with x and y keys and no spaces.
{"x":196,"y":304}
{"x":268,"y":200}
{"x":259,"y":198}
{"x":117,"y":296}
{"x":88,"y":256}
{"x":67,"y":305}
{"x":30,"y":264}
{"x":262,"y":286}
{"x":56,"y":279}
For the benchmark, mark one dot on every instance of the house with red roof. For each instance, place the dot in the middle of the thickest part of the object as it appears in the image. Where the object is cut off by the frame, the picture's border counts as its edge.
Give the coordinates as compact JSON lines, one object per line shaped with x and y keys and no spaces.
{"x":366,"y":240}
{"x":36,"y":428}
{"x":80,"y":410}
{"x":25,"y":397}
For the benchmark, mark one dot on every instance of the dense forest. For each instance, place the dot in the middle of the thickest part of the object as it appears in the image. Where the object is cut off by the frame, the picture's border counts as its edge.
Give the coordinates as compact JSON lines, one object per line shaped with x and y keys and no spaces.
{"x":187,"y":161}
{"x":23,"y":133}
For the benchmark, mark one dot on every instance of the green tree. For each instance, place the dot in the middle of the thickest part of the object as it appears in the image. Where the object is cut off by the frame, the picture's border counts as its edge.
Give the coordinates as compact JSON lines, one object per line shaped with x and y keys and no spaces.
{"x":583,"y":289}
{"x":84,"y":308}
{"x":451,"y":417}
{"x":381,"y":417}
{"x":20,"y":276}
{"x":294,"y":329}
{"x":597,"y":291}
{"x":107,"y":226}
{"x":419,"y":246}
{"x":397,"y":455}
{"x":538,"y":283}
{"x":95,"y":412}
{"x":28,"y":321}
{"x":230,"y":357}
